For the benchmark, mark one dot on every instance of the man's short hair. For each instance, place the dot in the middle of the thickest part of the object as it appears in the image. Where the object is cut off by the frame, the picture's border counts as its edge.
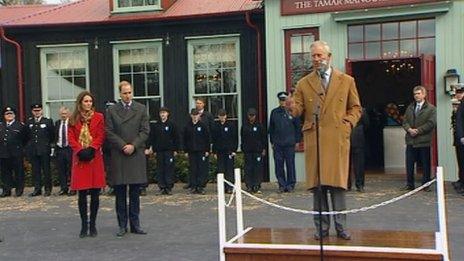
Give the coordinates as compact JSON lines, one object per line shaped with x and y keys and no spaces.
{"x":63,"y":108}
{"x":324,"y":45}
{"x":200,"y":99}
{"x":123,"y":83}
{"x":420,"y":88}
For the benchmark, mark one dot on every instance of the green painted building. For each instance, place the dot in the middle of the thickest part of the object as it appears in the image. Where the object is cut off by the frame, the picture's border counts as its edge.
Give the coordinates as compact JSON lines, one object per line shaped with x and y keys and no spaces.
{"x":389,"y":46}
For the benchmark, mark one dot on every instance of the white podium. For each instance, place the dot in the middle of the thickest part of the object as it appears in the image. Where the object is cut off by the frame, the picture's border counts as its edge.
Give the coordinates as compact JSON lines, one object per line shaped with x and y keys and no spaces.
{"x":394,"y":148}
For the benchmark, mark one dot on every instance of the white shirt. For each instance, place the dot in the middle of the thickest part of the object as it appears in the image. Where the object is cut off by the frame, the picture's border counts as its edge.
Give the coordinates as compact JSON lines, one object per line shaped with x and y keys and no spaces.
{"x":420,"y":106}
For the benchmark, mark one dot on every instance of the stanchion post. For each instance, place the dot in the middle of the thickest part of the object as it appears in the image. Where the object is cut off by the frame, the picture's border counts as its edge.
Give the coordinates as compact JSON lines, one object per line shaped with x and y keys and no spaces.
{"x":442,"y":214}
{"x":221,"y":215}
{"x":238,"y":200}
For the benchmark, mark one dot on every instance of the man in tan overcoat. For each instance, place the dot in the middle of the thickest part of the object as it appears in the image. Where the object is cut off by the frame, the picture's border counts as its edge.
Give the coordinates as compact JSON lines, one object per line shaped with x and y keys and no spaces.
{"x":332,"y":95}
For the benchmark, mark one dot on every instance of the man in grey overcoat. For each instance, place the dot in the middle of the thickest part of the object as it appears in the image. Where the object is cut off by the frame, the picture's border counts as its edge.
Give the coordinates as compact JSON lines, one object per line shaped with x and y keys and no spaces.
{"x":127,"y":130}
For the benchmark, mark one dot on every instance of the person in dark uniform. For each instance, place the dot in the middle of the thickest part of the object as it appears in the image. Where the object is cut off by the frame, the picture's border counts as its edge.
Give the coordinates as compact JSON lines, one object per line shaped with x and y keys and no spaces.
{"x":41,"y":133}
{"x":63,"y":151}
{"x":13,"y":137}
{"x":254,"y":139}
{"x":197,"y":147}
{"x":458,"y":112}
{"x":284,"y":134}
{"x":357,"y":153}
{"x":225,"y":143}
{"x":164,"y":142}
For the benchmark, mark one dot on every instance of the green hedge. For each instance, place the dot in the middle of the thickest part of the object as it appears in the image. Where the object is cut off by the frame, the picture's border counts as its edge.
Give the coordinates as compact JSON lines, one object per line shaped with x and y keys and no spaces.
{"x":181,"y":169}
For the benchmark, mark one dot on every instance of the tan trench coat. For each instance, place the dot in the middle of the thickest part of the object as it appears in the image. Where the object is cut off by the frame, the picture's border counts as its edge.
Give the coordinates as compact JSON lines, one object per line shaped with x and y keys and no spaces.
{"x":340,"y":110}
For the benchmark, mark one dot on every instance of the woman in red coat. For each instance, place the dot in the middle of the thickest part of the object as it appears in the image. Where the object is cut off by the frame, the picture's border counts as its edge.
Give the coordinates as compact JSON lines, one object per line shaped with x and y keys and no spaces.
{"x":86,"y":135}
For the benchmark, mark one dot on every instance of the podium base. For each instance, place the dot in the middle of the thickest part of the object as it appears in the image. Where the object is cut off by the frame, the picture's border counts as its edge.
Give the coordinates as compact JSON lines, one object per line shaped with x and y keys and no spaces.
{"x":259,"y":244}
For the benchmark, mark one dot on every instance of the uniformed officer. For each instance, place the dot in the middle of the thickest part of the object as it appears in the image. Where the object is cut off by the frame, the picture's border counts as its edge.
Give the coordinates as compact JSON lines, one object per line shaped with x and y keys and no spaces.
{"x":164,"y":142}
{"x":284,"y":134}
{"x":41,"y":133}
{"x":197,"y":146}
{"x":254,"y":139}
{"x":13,"y":137}
{"x":225,"y":142}
{"x":458,"y":111}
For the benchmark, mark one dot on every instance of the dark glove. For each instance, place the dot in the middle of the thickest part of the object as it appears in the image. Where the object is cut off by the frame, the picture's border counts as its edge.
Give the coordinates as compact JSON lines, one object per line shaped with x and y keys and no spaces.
{"x":86,"y":154}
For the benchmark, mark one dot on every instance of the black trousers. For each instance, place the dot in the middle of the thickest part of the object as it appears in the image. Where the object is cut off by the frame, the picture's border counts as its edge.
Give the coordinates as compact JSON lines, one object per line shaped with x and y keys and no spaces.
{"x":63,"y":163}
{"x":412,"y":156}
{"x":165,"y":165}
{"x":225,"y":164}
{"x":357,"y":167}
{"x":198,"y":166}
{"x":41,"y":165}
{"x":9,"y":166}
{"x":253,"y":169}
{"x":123,"y":213}
{"x":337,"y":196}
{"x":460,"y":158}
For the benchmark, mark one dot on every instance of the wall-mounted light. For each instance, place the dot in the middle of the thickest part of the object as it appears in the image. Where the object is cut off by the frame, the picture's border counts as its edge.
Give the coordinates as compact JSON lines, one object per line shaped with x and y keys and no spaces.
{"x":451,"y":77}
{"x":167,"y":39}
{"x":95,"y":43}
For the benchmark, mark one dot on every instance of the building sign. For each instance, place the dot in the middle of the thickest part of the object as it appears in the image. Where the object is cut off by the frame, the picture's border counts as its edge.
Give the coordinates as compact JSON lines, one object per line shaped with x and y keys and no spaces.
{"x":292,"y":7}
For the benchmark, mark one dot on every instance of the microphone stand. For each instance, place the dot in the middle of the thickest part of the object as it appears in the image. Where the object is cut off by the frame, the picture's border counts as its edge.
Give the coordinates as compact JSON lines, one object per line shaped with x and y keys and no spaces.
{"x":319,"y":186}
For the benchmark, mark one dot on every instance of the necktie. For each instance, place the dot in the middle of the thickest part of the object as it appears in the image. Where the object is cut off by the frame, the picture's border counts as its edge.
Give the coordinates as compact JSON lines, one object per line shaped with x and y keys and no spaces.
{"x":417,"y":109}
{"x":63,"y":134}
{"x":126,"y":106}
{"x":324,"y":80}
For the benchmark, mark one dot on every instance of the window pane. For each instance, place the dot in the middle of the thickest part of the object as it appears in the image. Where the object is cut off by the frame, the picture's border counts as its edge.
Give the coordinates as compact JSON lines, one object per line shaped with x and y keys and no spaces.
{"x":200,"y":82}
{"x":408,"y":48}
{"x":54,"y":108}
{"x":214,"y":81}
{"x":408,"y":29}
{"x":200,"y":56}
{"x":372,"y":32}
{"x":68,"y":90}
{"x":229,"y":55}
{"x":124,"y":3}
{"x":426,"y":28}
{"x":229,"y":80}
{"x":427,"y":46}
{"x":231,"y":106}
{"x":214,"y":56}
{"x":390,"y":49}
{"x":80,"y":83}
{"x":53,"y":64}
{"x":297,"y":62}
{"x":355,"y":33}
{"x":355,"y":51}
{"x":53,"y":88}
{"x":295,"y":44}
{"x":138,"y":84}
{"x":307,"y":41}
{"x":137,"y":2}
{"x":153,"y":84}
{"x":215,"y":103}
{"x":153,"y":106}
{"x":372,"y":50}
{"x":390,"y":31}
{"x":125,"y":77}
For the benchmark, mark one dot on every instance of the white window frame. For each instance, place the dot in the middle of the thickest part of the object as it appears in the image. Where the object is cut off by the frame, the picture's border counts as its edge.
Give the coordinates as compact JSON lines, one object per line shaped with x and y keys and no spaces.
{"x":46,"y":49}
{"x":219,"y":39}
{"x":117,"y":9}
{"x":133,"y":44}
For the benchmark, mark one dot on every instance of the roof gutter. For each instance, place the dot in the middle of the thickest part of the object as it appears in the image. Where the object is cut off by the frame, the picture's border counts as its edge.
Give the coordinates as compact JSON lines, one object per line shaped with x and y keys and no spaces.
{"x":259,"y":59}
{"x":19,"y":70}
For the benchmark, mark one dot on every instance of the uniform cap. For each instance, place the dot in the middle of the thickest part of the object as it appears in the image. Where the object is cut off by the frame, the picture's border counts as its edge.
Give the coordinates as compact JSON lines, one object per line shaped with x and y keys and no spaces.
{"x":251,"y":111}
{"x":9,"y":109}
{"x":164,"y":109}
{"x":222,"y":112}
{"x":282,"y":95}
{"x":36,"y":106}
{"x":194,"y":112}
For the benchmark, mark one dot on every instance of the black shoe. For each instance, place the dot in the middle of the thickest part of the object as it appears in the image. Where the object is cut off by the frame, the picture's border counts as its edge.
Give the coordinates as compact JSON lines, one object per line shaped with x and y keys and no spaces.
{"x":19,"y":192}
{"x":35,"y":193}
{"x":360,"y":189}
{"x":93,"y":231}
{"x":63,"y":192}
{"x":229,"y":191}
{"x":122,"y":231}
{"x":168,"y":191}
{"x":201,"y":191}
{"x":343,"y":235}
{"x":110,"y":192}
{"x":186,"y":186}
{"x":72,"y":193}
{"x":47,"y":193}
{"x":138,"y":231}
{"x":5,"y":193}
{"x":407,"y":188}
{"x":281,"y":190}
{"x":143,"y":192}
{"x":83,"y":232}
{"x":324,"y":235}
{"x":290,"y":190}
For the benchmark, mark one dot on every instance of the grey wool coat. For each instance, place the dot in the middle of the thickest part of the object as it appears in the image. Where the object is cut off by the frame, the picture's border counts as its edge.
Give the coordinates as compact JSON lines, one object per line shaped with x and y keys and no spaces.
{"x":127,"y":126}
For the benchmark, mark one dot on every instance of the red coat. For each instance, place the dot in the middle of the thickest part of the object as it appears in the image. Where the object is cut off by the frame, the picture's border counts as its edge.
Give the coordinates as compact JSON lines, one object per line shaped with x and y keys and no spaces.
{"x":87,"y":175}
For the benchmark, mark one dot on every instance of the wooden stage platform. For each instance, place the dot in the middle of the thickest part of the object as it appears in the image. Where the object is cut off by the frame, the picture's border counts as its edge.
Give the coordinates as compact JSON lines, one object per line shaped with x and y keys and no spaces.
{"x":259,"y":244}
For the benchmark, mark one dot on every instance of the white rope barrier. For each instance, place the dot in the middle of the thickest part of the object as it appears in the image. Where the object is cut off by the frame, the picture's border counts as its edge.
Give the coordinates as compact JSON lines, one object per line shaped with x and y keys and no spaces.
{"x":351,"y":211}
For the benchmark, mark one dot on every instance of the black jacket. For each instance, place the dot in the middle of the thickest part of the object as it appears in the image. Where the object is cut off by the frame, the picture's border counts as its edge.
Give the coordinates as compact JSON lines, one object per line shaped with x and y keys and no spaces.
{"x":12,"y":139}
{"x":225,"y":138}
{"x":41,"y":135}
{"x":164,"y":136}
{"x":254,"y":138}
{"x":196,"y":137}
{"x":358,"y":139}
{"x":284,"y":129}
{"x":207,"y":118}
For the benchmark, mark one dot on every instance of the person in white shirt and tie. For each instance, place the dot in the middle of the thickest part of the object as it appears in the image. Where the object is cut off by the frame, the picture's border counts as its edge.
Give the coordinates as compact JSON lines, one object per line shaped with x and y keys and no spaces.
{"x":62,"y":151}
{"x":419,"y":122}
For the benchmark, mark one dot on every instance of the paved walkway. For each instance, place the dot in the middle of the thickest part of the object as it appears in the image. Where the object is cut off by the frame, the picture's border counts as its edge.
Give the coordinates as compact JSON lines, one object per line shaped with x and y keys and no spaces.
{"x":184,"y":227}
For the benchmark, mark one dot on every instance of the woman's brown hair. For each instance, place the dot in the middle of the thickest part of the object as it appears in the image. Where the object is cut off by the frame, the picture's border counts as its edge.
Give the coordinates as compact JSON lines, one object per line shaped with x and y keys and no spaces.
{"x":76,"y":116}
